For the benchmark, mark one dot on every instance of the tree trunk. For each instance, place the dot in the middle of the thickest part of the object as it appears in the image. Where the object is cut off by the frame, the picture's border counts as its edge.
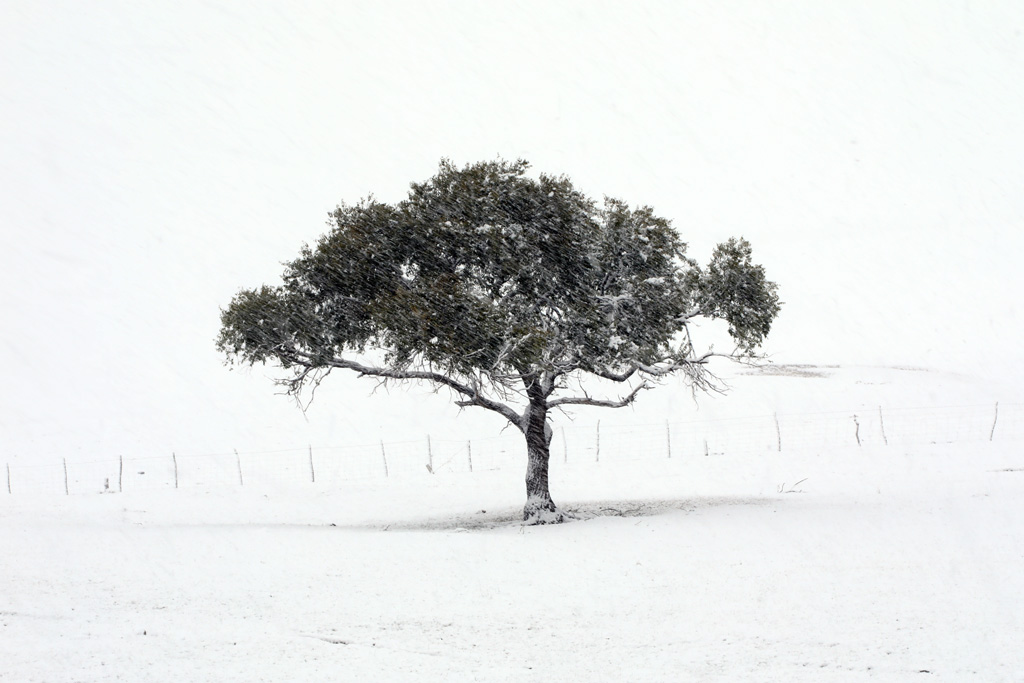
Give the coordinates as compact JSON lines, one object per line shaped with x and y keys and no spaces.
{"x":540,"y":509}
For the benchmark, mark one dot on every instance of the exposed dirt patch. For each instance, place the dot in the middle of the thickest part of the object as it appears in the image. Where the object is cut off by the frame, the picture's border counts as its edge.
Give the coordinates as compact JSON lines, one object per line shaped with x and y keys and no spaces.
{"x":792,"y":370}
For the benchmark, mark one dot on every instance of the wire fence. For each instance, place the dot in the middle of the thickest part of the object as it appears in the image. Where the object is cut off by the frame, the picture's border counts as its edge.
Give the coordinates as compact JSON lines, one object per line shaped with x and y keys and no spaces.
{"x":330,"y":466}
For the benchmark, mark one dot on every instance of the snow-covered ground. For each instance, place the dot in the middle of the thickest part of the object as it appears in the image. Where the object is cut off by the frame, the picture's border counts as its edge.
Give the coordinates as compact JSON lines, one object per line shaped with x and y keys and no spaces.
{"x":880,"y":562}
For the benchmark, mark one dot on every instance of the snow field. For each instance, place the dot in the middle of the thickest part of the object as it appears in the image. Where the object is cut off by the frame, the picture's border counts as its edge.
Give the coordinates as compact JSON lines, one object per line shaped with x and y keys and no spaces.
{"x":872,"y":563}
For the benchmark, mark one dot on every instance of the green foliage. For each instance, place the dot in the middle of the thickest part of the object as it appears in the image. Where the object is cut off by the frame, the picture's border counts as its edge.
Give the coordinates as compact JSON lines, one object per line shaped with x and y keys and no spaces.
{"x":736,"y":289}
{"x":486,"y":272}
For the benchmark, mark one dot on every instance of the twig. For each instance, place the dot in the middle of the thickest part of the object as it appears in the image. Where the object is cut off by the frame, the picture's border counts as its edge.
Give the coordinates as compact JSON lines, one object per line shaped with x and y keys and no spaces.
{"x":793,"y":488}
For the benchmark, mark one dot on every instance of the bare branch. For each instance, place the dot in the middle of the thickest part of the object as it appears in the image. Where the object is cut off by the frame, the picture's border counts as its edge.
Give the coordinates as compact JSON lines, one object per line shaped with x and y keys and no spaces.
{"x":312,"y":375}
{"x":695,"y":370}
{"x":472,"y":394}
{"x":600,"y":403}
{"x":495,"y":406}
{"x":616,"y":376}
{"x":668,"y":366}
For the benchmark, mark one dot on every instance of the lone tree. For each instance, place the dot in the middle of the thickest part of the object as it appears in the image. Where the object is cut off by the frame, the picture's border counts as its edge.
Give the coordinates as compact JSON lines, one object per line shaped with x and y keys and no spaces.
{"x":508,"y":291}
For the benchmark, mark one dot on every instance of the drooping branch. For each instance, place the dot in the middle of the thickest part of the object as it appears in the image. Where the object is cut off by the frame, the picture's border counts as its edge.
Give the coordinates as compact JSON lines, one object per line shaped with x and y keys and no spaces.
{"x":308,"y":375}
{"x":694,"y":369}
{"x":472,"y":395}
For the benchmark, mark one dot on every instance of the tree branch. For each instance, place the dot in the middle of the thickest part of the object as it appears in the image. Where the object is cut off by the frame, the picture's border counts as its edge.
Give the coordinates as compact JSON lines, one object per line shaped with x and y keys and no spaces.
{"x":473,"y":396}
{"x":674,"y":365}
{"x":495,"y":406}
{"x":695,"y":370}
{"x":600,"y":403}
{"x":691,"y":315}
{"x":617,"y":376}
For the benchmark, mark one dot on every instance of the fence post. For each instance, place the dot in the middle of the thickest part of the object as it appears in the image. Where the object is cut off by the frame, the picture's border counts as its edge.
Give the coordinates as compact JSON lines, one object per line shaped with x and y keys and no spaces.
{"x":881,"y":422}
{"x":706,"y":454}
{"x":174,"y":457}
{"x":67,"y":491}
{"x":994,"y":420}
{"x":238,"y":459}
{"x":469,"y":455}
{"x":778,"y":433}
{"x":120,"y":474}
{"x":565,"y":447}
{"x":312,"y":472}
{"x":8,"y":478}
{"x":430,"y":456}
{"x":384,"y":457}
{"x":597,"y":454}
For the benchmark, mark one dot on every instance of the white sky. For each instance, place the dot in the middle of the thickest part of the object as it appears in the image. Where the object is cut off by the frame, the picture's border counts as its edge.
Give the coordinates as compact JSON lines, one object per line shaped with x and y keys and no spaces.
{"x":157,"y":157}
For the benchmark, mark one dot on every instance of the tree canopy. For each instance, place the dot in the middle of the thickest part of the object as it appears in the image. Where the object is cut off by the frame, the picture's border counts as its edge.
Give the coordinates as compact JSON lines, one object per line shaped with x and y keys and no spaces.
{"x":504,"y":288}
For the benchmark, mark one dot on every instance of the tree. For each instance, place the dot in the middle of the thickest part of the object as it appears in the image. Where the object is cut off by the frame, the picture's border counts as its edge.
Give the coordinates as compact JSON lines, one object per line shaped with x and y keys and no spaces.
{"x":508,"y":291}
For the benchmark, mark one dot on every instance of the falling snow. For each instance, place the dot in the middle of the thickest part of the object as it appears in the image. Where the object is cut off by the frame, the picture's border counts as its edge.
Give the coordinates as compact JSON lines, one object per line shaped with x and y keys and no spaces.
{"x":159,"y":157}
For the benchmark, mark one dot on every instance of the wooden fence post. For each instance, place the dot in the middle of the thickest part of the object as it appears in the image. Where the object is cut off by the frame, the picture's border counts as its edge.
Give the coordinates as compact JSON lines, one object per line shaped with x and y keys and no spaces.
{"x":995,"y":419}
{"x":597,"y":454}
{"x":469,"y":455}
{"x":67,"y":491}
{"x":238,"y":459}
{"x":778,"y":433}
{"x":668,"y":439}
{"x":120,"y":474}
{"x":8,"y":478}
{"x":430,"y":456}
{"x":312,"y":472}
{"x":384,"y":457}
{"x":174,"y":457}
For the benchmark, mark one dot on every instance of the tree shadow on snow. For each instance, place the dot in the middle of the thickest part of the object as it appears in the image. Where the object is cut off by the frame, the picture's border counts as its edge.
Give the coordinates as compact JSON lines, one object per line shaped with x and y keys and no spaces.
{"x":484,"y":520}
